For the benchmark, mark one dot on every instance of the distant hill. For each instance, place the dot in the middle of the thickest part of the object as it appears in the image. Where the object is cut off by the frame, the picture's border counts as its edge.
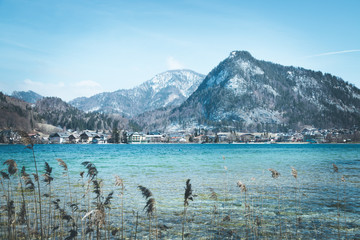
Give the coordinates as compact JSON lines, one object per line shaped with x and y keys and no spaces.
{"x":28,"y":96}
{"x":248,"y":94}
{"x":59,"y":113}
{"x":15,"y":114}
{"x":168,"y":89}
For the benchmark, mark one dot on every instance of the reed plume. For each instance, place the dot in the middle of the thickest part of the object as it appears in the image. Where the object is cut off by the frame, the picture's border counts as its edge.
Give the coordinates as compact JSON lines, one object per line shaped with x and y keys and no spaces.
{"x":188,"y":195}
{"x":92,"y":171}
{"x":65,"y":167}
{"x":97,"y":189}
{"x":150,"y":204}
{"x":107,"y":201}
{"x":145,"y":192}
{"x":12,"y":166}
{"x":62,"y":164}
{"x":241,"y":186}
{"x":4,"y":175}
{"x":335,"y":168}
{"x":36,"y":177}
{"x":294,"y":172}
{"x":274,"y":173}
{"x":47,"y":175}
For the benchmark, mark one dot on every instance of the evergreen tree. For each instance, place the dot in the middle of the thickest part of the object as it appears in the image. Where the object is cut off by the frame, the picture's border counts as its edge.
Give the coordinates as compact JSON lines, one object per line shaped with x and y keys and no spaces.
{"x":124,"y":137}
{"x":115,"y":135}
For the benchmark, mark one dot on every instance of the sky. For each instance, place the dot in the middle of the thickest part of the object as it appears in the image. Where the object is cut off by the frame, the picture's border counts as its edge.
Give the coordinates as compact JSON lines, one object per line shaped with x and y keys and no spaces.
{"x":74,"y":48}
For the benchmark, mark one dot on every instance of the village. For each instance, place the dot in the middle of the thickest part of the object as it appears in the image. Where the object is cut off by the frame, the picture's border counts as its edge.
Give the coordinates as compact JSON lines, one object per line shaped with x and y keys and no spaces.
{"x":199,"y":136}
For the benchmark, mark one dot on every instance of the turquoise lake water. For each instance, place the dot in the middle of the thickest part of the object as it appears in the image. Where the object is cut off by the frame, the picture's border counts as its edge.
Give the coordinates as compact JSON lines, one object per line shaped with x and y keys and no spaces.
{"x":318,"y":194}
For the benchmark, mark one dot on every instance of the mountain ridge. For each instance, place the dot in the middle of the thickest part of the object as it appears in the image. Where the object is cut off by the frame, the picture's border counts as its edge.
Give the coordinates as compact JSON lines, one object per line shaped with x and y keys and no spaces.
{"x":244,"y":93}
{"x":27,"y":96}
{"x":165,"y":89}
{"x":241,"y":93}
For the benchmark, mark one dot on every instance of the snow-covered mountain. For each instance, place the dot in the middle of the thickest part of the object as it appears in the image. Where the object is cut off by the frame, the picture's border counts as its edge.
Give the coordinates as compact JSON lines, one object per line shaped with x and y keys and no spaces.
{"x":28,"y":96}
{"x":166,"y":89}
{"x":245,"y":93}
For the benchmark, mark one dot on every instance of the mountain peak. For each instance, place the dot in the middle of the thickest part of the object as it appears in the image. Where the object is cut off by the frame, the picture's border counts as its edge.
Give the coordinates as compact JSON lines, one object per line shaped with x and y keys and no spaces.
{"x":250,"y":94}
{"x":240,"y":65}
{"x":170,"y":88}
{"x":28,"y":96}
{"x":241,"y":54}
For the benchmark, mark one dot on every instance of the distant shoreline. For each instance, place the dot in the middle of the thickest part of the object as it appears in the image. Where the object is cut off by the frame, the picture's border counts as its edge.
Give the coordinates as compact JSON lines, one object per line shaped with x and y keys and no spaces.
{"x":223,"y":143}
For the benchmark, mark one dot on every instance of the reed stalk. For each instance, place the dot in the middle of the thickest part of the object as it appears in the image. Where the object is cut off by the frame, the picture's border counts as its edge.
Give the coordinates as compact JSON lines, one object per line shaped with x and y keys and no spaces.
{"x":8,"y":204}
{"x":120,"y":183}
{"x":136,"y":224}
{"x":150,"y":204}
{"x":48,"y":179}
{"x":187,"y":196}
{"x":244,"y":190}
{"x":344,"y":190}
{"x":4,"y":195}
{"x":214,"y":196}
{"x":83,"y":185}
{"x":30,"y":145}
{"x":24,"y":215}
{"x":65,"y":167}
{"x":275,"y":175}
{"x":12,"y":170}
{"x":294,"y":173}
{"x":225,"y":184}
{"x":336,"y":171}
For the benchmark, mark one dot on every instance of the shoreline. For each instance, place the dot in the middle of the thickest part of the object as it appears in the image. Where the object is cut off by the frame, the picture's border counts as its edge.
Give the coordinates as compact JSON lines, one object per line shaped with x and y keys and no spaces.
{"x":222,"y":143}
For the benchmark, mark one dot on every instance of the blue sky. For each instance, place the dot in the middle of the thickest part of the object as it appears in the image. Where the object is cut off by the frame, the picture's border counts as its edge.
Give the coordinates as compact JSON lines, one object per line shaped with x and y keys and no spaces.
{"x":75,"y":48}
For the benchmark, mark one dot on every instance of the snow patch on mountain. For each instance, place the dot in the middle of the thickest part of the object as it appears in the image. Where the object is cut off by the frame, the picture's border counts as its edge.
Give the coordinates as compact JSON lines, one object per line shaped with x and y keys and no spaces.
{"x":170,"y":88}
{"x":237,"y":84}
{"x":249,"y":69}
{"x":243,"y":92}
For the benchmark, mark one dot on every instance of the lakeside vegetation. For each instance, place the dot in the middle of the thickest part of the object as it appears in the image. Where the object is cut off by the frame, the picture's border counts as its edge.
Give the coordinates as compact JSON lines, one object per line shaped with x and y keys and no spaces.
{"x":87,"y":205}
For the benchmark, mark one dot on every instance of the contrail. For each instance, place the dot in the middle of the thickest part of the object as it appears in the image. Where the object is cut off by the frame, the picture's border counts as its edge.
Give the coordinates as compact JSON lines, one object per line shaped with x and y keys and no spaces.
{"x":334,"y":53}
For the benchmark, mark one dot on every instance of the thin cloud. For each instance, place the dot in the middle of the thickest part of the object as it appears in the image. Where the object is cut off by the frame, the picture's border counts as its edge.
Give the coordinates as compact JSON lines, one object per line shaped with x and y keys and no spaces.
{"x":173,"y":64}
{"x":88,"y":84}
{"x":333,"y":53}
{"x":30,"y":84}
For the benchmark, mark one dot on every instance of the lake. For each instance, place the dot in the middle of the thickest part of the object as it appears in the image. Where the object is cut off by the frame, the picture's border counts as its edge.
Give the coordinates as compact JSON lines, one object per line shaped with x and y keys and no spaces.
{"x":316,"y":204}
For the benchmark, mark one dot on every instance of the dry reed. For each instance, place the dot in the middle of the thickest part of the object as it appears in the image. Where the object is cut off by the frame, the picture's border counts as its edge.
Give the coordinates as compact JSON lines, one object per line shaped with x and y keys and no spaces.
{"x":188,"y":195}
{"x":22,"y":209}
{"x":150,"y":205}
